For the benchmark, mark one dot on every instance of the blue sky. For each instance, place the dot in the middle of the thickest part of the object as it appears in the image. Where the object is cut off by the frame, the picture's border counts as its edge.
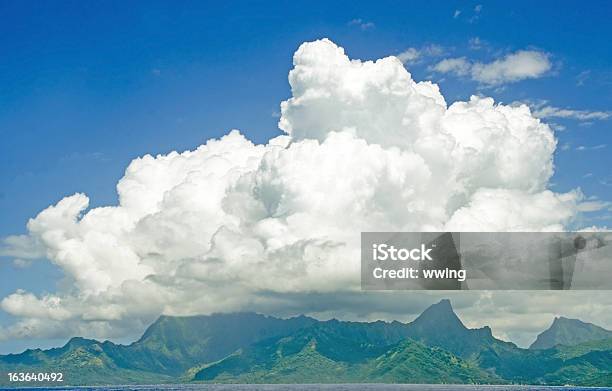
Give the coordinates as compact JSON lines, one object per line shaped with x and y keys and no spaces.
{"x":86,"y":87}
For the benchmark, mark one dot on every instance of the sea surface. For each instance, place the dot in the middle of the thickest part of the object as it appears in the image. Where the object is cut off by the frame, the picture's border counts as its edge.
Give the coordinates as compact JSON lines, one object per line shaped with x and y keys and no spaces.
{"x":320,"y":387}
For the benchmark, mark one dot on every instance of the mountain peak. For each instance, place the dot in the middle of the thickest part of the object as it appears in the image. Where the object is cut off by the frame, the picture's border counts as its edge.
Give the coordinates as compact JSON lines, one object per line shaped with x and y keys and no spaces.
{"x":562,"y":320}
{"x":441,"y":317}
{"x":445,"y":303}
{"x":80,"y":341}
{"x":566,"y":331}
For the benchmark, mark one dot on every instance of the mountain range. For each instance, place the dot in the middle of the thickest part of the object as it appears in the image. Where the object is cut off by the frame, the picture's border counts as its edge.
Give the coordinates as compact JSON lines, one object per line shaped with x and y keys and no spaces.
{"x":251,"y":348}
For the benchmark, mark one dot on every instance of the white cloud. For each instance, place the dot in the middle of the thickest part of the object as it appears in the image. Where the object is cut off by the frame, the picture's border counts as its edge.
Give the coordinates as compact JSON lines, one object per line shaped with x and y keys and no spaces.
{"x":524,"y":64}
{"x":21,"y":246}
{"x":591,"y":148}
{"x":459,"y":66}
{"x":414,"y":55}
{"x":582,"y":115}
{"x":362,"y":24}
{"x":544,"y":110}
{"x":232,"y":225}
{"x":27,"y":305}
{"x":493,"y":209}
{"x":520,"y":65}
{"x":433,"y":50}
{"x":476,"y":43}
{"x":456,"y":14}
{"x":593,"y":206}
{"x":409,"y":55}
{"x":557,"y":127}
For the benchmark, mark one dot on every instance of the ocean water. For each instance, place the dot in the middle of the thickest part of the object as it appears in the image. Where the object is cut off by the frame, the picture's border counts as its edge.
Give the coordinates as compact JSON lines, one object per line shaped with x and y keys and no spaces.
{"x":322,"y":387}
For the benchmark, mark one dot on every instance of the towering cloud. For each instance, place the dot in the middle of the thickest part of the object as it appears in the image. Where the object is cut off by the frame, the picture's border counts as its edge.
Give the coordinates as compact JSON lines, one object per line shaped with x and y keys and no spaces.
{"x":232,"y":225}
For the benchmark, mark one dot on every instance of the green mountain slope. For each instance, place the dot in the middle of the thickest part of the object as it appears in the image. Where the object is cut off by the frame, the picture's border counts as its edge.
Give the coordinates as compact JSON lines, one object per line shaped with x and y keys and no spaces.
{"x":564,"y":331}
{"x":588,"y":364}
{"x":412,"y":362}
{"x":81,"y":361}
{"x":567,"y":352}
{"x":322,"y":354}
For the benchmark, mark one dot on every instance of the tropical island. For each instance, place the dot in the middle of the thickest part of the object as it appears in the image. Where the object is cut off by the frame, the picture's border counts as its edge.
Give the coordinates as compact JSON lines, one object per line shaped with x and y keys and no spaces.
{"x":252,"y":348}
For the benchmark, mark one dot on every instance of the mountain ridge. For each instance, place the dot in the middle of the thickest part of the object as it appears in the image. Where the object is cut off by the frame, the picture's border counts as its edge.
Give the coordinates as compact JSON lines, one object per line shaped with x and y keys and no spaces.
{"x":248,"y":347}
{"x":567,"y":331}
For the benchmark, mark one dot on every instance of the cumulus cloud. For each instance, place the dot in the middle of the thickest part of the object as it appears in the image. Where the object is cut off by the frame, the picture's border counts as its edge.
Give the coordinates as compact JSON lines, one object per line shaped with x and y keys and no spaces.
{"x":520,"y":65}
{"x":232,"y":225}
